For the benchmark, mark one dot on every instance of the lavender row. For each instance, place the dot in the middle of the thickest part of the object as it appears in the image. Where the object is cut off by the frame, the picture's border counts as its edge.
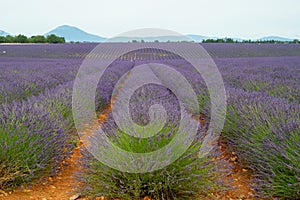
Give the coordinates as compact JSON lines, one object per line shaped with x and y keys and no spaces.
{"x":21,"y":78}
{"x":264,"y":131}
{"x":81,"y":50}
{"x":35,"y":136}
{"x":276,"y":76}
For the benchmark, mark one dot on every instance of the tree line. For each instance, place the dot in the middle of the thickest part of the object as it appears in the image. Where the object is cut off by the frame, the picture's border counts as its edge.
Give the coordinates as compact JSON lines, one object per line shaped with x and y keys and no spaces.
{"x":230,"y":40}
{"x":33,"y":39}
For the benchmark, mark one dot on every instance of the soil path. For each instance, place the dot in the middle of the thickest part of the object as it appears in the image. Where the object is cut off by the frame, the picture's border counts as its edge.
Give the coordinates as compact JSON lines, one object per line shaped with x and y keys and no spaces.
{"x":59,"y":187}
{"x":239,"y":178}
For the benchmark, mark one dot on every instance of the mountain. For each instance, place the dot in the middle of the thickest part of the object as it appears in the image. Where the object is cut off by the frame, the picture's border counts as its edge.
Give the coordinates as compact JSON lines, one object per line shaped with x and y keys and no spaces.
{"x":3,"y":33}
{"x":71,"y":33}
{"x":277,"y":38}
{"x":198,"y":38}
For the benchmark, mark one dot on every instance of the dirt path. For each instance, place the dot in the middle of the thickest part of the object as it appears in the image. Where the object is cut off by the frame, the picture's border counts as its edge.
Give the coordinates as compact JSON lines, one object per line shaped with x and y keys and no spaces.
{"x":239,"y":178}
{"x":59,"y":187}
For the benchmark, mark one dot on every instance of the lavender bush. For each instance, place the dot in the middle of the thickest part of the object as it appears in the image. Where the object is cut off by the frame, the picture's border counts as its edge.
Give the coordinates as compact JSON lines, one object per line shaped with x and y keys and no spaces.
{"x":35,"y":113}
{"x":189,"y":177}
{"x":34,"y":138}
{"x":264,"y":132}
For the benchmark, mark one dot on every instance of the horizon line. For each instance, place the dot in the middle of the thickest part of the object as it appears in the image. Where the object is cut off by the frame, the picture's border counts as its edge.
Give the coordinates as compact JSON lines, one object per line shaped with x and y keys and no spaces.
{"x":187,"y":35}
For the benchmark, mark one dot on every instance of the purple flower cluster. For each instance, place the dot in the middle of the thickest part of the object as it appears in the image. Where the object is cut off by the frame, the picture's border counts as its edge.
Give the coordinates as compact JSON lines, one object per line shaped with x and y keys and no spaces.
{"x":276,"y":76}
{"x":251,"y":50}
{"x":34,"y":136}
{"x":21,"y":78}
{"x":35,"y":111}
{"x":264,"y":131}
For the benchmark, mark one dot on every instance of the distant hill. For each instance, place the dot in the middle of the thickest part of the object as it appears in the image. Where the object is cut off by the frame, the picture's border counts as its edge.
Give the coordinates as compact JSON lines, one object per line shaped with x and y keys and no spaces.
{"x":276,"y":38}
{"x":197,"y":38}
{"x":3,"y":33}
{"x":71,"y":33}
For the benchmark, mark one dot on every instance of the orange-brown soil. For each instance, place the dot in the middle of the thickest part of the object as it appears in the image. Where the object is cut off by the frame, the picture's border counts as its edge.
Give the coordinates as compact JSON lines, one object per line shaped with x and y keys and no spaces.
{"x":59,"y":187}
{"x":239,"y":178}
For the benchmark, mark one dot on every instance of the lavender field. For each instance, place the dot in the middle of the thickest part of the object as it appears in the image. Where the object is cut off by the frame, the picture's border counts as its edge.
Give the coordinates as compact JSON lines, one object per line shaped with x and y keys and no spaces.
{"x":262,"y":124}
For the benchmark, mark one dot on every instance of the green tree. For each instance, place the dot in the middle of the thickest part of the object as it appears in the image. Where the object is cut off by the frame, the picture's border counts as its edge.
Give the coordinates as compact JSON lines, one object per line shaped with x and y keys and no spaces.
{"x":2,"y":39}
{"x":229,"y":40}
{"x":20,"y":39}
{"x":9,"y":39}
{"x":55,"y":39}
{"x":38,"y":39}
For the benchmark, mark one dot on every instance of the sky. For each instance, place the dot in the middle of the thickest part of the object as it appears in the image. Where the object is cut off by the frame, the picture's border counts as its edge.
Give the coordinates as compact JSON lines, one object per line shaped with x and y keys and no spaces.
{"x":247,"y":19}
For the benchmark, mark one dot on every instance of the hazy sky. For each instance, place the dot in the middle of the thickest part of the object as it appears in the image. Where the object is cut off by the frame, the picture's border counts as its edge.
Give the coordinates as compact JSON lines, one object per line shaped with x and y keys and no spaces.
{"x":222,"y":18}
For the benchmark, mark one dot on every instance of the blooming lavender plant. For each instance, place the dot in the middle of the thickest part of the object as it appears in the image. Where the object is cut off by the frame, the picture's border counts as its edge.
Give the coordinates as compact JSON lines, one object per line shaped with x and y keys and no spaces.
{"x":34,"y":138}
{"x":264,"y":132}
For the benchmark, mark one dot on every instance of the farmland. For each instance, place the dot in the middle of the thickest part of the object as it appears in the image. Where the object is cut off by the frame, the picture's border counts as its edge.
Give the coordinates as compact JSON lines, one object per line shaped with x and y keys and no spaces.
{"x":262,"y":124}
